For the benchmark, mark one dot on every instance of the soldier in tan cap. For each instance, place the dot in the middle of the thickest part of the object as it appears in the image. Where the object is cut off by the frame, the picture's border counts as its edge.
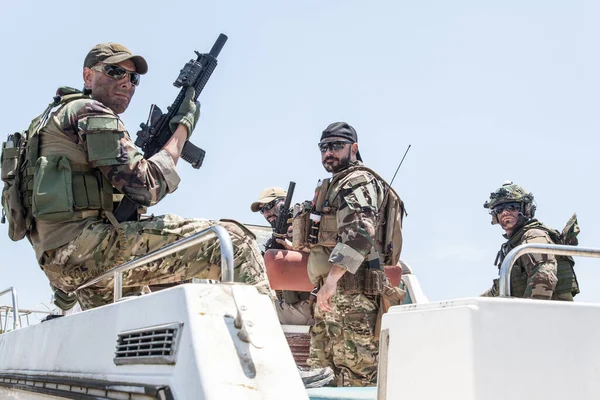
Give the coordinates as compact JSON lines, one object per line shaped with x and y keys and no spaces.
{"x":292,"y":307}
{"x":82,"y":162}
{"x":269,"y":203}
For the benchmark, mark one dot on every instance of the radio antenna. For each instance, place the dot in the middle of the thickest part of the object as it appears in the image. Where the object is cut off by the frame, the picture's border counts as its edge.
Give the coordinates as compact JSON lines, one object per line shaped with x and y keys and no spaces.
{"x":399,"y":165}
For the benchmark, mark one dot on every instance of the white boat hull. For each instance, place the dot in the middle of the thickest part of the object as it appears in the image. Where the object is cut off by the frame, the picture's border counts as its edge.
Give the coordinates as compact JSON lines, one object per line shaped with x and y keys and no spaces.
{"x":211,"y":360}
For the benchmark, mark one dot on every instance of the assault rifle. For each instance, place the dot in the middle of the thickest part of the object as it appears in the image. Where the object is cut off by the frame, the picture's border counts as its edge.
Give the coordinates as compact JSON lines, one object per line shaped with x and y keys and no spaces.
{"x":281,"y":224}
{"x":155,"y":133}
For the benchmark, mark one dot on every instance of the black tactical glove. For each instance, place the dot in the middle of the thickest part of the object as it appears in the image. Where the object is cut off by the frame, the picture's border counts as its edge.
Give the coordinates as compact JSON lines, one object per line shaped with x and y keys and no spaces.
{"x":188,"y":113}
{"x":63,"y":300}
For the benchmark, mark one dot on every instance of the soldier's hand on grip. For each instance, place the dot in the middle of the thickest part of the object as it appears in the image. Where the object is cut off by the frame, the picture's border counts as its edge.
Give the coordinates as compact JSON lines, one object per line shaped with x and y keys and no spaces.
{"x":188,"y":113}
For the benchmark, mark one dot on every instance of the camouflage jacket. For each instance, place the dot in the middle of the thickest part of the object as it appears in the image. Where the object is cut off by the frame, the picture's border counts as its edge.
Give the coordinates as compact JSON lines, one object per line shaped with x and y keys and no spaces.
{"x":356,"y":199}
{"x":533,"y":275}
{"x":87,"y":132}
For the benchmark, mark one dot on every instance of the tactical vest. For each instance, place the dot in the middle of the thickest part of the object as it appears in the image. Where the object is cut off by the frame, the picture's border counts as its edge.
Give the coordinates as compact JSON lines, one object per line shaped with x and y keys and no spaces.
{"x":567,"y":280}
{"x":49,"y":187}
{"x":317,"y":225}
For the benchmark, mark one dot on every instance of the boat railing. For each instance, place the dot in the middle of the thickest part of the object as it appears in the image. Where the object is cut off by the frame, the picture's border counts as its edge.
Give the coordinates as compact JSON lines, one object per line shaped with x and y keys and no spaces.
{"x":226,"y":259}
{"x":23,"y":314}
{"x":538,"y":248}
{"x":15,"y":306}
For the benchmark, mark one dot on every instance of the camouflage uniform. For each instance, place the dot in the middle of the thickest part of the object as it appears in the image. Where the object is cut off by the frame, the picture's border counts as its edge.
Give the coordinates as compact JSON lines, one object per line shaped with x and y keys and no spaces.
{"x":293,"y":307}
{"x":71,"y":251}
{"x":97,"y":248}
{"x":344,"y":338}
{"x":536,"y":276}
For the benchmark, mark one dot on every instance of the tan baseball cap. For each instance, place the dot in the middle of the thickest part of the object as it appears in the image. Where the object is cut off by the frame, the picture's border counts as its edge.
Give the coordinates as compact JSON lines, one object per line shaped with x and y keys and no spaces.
{"x":266,"y":196}
{"x":113,"y":53}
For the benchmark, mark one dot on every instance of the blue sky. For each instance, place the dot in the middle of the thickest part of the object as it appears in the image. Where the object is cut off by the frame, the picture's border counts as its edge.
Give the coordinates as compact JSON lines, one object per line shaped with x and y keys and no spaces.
{"x":483,"y":91}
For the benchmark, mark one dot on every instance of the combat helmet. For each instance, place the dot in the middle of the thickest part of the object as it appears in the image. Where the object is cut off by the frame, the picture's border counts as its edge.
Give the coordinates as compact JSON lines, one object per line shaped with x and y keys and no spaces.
{"x":511,"y":193}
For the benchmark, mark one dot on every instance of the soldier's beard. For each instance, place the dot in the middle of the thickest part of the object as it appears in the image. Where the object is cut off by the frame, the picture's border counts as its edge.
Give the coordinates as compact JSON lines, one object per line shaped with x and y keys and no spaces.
{"x":272,"y":220}
{"x":342,"y":163}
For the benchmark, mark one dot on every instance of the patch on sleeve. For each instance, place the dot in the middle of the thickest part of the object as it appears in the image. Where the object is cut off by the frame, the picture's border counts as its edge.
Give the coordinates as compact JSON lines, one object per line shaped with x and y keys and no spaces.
{"x":100,"y":123}
{"x":103,"y":134}
{"x":346,"y":257}
{"x":104,"y":147}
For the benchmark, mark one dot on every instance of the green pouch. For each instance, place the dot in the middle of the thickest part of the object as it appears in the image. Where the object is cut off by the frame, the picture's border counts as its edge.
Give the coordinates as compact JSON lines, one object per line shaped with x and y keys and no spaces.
{"x":14,"y":211}
{"x":12,"y":207}
{"x":10,"y":158}
{"x":52,"y":189}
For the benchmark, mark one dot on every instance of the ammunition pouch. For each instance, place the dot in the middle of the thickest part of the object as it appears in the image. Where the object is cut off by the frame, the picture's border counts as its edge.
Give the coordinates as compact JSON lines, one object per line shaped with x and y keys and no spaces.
{"x":300,"y":228}
{"x":310,"y":231}
{"x":63,"y":192}
{"x":353,"y":283}
{"x":365,"y":281}
{"x":13,"y":209}
{"x":52,"y":198}
{"x":328,"y":230}
{"x":10,"y":159}
{"x":375,"y":281}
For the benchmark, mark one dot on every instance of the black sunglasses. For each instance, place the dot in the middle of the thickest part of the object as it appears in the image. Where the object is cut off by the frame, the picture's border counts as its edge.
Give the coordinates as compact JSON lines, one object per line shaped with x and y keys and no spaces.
{"x":116,"y":72}
{"x":333,"y":146}
{"x":269,"y":205}
{"x":513,"y":206}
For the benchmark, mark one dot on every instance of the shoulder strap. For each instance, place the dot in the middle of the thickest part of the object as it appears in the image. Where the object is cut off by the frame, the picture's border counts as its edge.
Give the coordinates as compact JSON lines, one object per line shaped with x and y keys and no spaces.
{"x":386,"y":185}
{"x":40,"y":122}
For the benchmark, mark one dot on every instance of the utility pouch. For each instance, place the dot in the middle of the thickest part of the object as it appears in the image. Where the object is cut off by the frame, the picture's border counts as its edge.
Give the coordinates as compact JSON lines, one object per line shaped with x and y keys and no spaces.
{"x":353,"y":283}
{"x":52,"y":189}
{"x":375,"y":281}
{"x":328,"y":230}
{"x":12,"y":208}
{"x":300,"y":226}
{"x":13,"y":211}
{"x":10,"y":159}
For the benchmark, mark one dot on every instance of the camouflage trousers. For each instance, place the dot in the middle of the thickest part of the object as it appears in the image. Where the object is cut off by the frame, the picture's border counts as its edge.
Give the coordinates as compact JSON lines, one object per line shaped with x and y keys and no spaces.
{"x":344,"y":340}
{"x":98,"y":249}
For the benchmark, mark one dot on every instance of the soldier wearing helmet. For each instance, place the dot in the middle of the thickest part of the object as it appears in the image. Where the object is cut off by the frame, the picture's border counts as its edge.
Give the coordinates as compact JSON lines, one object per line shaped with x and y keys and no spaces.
{"x":536,"y":276}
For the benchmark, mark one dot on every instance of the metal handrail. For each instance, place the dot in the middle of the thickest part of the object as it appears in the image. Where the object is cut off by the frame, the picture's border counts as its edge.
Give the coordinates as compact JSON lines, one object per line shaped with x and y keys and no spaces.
{"x":15,"y":306}
{"x":22,"y":313}
{"x":226,"y":259}
{"x":538,"y":248}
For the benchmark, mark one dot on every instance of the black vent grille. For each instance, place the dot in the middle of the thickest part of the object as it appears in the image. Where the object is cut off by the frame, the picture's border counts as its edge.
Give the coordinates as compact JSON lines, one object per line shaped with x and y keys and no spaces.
{"x":152,"y":345}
